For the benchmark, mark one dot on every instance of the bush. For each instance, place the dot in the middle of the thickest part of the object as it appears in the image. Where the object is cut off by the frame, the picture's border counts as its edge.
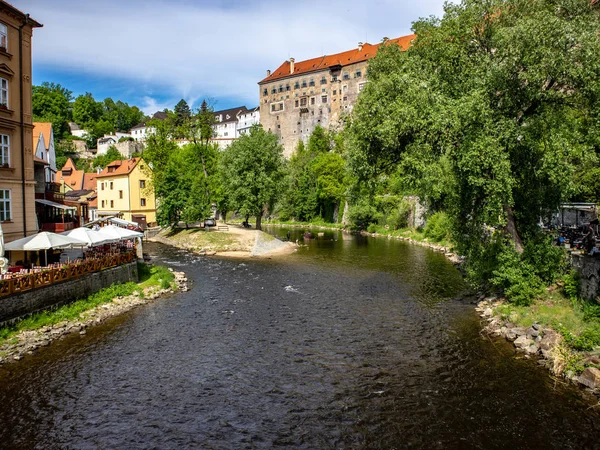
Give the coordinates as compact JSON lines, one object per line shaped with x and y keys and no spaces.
{"x":362,"y":213}
{"x":438,"y":227}
{"x":547,"y":260}
{"x":398,"y":217}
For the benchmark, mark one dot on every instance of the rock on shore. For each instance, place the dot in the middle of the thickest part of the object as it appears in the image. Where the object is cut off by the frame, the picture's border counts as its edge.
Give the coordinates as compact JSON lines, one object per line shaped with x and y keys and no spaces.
{"x":27,"y":342}
{"x":536,"y":341}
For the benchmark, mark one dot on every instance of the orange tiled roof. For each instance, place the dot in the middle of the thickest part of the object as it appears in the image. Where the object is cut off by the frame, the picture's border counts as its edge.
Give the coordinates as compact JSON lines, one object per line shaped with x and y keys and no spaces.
{"x":44,"y":128}
{"x":325,"y":62}
{"x":72,"y":177}
{"x":120,"y":167}
{"x":89,"y":181}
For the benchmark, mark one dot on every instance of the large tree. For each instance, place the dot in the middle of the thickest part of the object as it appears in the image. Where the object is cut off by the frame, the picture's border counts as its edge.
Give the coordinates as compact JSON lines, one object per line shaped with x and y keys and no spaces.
{"x":252,"y":169}
{"x":86,"y":110}
{"x":51,"y":102}
{"x":498,"y":100}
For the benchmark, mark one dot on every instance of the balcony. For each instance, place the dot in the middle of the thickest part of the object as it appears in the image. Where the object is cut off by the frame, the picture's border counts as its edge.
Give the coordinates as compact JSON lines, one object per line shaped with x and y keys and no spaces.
{"x":58,"y":227}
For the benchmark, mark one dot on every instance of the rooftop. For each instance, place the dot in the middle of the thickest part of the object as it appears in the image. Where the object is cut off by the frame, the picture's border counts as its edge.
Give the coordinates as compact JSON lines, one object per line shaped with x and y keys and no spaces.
{"x":362,"y":53}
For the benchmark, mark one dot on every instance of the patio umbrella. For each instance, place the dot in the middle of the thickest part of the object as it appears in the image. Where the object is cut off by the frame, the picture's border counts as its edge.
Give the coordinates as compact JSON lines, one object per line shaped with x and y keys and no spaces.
{"x":92,"y":237}
{"x":44,"y":241}
{"x":112,"y":231}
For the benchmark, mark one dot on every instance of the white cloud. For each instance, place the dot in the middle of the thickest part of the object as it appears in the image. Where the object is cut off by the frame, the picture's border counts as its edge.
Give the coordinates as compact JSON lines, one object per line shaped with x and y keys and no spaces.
{"x":207,"y":48}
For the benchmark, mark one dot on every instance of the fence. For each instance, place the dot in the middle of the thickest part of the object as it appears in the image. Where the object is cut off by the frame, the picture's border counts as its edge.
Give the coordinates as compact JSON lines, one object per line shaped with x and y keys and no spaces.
{"x":45,"y":277}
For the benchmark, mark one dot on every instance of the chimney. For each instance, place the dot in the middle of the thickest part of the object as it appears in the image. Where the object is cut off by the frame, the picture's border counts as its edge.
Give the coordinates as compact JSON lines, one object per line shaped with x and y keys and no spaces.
{"x":268,"y":73}
{"x":292,"y":60}
{"x":360,"y":46}
{"x":385,"y":39}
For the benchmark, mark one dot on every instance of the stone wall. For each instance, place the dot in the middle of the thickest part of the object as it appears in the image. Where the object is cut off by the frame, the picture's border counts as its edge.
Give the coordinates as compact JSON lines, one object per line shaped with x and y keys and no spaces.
{"x":21,"y":305}
{"x":588,"y":268}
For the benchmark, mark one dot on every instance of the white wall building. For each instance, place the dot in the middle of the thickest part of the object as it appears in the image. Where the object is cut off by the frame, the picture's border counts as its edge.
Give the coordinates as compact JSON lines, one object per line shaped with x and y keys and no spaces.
{"x":108,"y":140}
{"x":76,"y":131}
{"x":43,"y":142}
{"x":230,"y":124}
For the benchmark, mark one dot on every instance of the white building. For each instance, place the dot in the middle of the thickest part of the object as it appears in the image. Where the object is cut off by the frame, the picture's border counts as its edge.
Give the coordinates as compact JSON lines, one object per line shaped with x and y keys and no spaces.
{"x":76,"y":131}
{"x":108,"y":140}
{"x":230,"y":124}
{"x":43,"y":146}
{"x":247,"y":119}
{"x":142,"y":130}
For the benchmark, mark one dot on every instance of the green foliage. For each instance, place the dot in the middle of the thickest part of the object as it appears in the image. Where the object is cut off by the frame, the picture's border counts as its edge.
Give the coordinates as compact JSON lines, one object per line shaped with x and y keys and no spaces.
{"x":112,"y":154}
{"x":362,"y":213}
{"x":86,"y":111}
{"x":252,"y":171}
{"x":438,"y":227}
{"x":50,"y":102}
{"x":572,"y":285}
{"x":398,"y":216}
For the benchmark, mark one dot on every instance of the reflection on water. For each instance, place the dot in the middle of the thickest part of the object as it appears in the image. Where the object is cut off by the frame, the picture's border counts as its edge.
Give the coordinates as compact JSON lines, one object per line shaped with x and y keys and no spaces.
{"x":352,"y":342}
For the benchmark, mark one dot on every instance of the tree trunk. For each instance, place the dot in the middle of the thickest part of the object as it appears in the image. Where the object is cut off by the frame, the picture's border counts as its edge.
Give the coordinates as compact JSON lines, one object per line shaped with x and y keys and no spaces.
{"x":511,"y":229}
{"x":258,"y":220}
{"x":345,"y":219}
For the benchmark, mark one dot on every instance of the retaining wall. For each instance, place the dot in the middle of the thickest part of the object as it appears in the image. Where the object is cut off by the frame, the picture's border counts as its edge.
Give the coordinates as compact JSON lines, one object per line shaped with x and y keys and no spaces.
{"x":589,"y":271}
{"x":20,"y":305}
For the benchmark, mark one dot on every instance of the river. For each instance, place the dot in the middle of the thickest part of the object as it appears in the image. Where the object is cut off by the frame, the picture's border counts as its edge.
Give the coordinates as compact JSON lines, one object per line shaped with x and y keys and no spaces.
{"x":352,"y":342}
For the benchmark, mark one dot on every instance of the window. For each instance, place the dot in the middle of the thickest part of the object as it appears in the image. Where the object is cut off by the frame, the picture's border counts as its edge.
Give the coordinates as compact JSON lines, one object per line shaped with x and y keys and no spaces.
{"x":274,"y":91}
{"x":111,"y":186}
{"x":276,"y":106}
{"x":281,"y":88}
{"x":312,"y":100}
{"x":361,"y":86}
{"x":345,"y":87}
{"x":5,"y":205}
{"x":312,"y":82}
{"x":358,"y":74}
{"x":345,"y":99}
{"x":297,"y":85}
{"x":4,"y":150}
{"x":142,"y":202}
{"x":3,"y":36}
{"x":303,"y":83}
{"x":3,"y":92}
{"x":334,"y":92}
{"x":323,"y":99}
{"x":296,"y":103}
{"x":287,"y":87}
{"x":272,"y":107}
{"x":265,"y":91}
{"x":324,"y":80}
{"x":346,"y":76}
{"x":120,"y":194}
{"x":142,"y":183}
{"x":303,"y":101}
{"x":103,"y":203}
{"x":333,"y":78}
{"x":226,"y":133}
{"x":112,"y":203}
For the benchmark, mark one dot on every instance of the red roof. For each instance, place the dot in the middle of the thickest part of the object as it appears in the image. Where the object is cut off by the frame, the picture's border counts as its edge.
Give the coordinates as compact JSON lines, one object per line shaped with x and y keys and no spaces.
{"x":89,"y":181}
{"x":343,"y":59}
{"x":72,"y":177}
{"x":119,"y":167}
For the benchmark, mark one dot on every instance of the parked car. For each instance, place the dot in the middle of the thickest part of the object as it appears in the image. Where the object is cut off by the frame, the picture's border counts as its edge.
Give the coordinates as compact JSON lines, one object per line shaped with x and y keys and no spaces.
{"x":210,"y":222}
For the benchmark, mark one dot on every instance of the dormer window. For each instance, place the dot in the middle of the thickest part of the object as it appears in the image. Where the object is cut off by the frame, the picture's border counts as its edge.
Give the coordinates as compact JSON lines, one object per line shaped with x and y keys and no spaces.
{"x":3,"y":37}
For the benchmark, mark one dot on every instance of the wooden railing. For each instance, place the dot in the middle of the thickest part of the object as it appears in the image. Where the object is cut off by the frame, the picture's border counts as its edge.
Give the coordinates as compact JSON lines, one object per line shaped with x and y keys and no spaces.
{"x":46,"y":277}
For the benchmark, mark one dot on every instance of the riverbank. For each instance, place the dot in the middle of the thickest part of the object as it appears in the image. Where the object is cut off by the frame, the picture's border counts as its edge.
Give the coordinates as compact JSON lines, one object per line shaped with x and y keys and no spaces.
{"x":40,"y":330}
{"x":545,"y":330}
{"x":236,"y":242}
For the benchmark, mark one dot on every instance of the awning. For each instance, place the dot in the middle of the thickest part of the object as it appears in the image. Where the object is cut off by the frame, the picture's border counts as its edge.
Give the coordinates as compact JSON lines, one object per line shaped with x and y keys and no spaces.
{"x":123,"y":222}
{"x":56,"y":205}
{"x":108,"y":213}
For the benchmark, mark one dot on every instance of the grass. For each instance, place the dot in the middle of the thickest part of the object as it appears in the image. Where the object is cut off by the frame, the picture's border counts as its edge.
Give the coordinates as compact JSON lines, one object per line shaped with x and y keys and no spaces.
{"x":197,"y":238}
{"x":155,"y":276}
{"x":318,"y":222}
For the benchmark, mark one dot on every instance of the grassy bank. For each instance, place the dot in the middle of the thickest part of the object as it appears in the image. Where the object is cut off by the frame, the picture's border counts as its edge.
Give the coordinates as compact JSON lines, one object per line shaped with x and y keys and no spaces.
{"x":154,"y":277}
{"x":198,"y":239}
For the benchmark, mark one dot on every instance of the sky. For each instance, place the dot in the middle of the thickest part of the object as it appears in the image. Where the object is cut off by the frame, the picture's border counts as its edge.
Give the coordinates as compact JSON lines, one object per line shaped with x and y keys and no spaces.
{"x":152,"y":53}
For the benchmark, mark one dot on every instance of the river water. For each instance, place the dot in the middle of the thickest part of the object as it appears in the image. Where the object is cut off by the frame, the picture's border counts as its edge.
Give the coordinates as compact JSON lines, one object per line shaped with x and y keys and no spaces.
{"x":352,"y":342}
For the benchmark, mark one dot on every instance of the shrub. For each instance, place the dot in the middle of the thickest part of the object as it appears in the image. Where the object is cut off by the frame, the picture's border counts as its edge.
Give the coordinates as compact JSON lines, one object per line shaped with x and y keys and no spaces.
{"x":547,"y":260}
{"x":362,"y":213}
{"x":398,"y":216}
{"x":438,"y":227}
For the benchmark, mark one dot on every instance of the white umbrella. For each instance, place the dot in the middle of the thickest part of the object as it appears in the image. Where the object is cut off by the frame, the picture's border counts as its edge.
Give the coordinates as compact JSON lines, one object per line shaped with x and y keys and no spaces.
{"x":92,"y":237}
{"x":43,"y":241}
{"x":113,"y":232}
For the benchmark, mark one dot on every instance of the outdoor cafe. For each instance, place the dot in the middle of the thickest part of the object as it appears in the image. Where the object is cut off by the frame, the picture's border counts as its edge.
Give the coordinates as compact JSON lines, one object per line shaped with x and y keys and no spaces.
{"x":47,"y":258}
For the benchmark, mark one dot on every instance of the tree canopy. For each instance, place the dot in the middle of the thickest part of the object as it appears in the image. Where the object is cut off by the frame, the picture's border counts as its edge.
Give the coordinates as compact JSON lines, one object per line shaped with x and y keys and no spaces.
{"x":252,"y":169}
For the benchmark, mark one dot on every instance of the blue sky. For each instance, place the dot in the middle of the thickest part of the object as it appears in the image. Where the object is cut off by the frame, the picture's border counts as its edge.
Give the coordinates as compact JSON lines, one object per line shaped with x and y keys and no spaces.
{"x":152,"y":53}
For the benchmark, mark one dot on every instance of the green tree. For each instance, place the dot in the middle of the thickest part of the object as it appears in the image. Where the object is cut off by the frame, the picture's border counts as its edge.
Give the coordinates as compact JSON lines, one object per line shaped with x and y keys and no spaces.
{"x":51,"y":103}
{"x":182,"y":113}
{"x":86,"y":110}
{"x":498,"y":96}
{"x":112,"y":154}
{"x":252,"y":169}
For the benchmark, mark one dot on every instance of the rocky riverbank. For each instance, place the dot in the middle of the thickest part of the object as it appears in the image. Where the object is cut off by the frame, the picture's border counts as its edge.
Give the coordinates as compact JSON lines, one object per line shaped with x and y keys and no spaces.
{"x":543,"y":343}
{"x":28,"y":342}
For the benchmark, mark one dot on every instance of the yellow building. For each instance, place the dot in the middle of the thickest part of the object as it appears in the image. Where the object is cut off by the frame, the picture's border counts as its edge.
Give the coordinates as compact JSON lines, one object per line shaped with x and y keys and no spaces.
{"x":124,"y":191}
{"x":17,"y":181}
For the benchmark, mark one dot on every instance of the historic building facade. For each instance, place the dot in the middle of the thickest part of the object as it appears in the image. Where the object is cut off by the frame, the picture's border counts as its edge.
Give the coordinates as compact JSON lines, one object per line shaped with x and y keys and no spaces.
{"x":17,"y":181}
{"x":298,"y":96}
